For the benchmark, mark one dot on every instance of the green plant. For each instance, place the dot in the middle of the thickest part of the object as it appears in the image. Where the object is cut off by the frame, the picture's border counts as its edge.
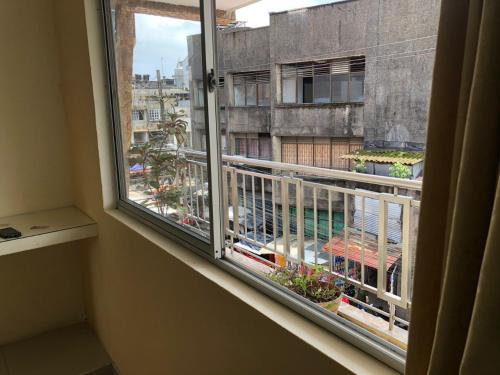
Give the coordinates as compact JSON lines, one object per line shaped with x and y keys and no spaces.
{"x":164,"y":168}
{"x":360,"y":166}
{"x":400,"y":171}
{"x":314,"y":283}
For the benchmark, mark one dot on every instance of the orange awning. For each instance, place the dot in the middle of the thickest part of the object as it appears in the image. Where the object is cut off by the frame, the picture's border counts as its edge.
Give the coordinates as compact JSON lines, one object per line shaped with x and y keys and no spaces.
{"x":354,"y":252}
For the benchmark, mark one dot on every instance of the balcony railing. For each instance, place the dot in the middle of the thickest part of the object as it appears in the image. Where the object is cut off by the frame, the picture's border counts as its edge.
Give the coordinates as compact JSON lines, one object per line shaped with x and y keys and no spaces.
{"x":360,"y":227}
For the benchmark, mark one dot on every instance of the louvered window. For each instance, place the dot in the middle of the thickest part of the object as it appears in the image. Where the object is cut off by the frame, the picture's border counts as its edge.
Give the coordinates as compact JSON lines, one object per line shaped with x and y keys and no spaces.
{"x":334,"y":81}
{"x":251,"y":89}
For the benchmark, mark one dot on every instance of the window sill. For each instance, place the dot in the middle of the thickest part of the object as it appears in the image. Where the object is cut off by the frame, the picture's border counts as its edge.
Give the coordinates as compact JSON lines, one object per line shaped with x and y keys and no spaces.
{"x":343,"y":353}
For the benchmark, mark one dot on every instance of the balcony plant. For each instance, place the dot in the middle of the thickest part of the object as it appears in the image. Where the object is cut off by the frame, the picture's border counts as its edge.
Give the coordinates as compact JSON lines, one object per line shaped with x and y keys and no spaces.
{"x":399,"y":170}
{"x":314,"y":283}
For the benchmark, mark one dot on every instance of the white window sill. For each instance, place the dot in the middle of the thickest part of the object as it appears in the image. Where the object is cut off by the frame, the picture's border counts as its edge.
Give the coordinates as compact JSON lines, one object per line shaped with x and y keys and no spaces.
{"x":339,"y":351}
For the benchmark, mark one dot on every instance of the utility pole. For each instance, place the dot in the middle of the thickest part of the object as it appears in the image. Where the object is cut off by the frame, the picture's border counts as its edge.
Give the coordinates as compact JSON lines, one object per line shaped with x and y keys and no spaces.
{"x":160,"y":94}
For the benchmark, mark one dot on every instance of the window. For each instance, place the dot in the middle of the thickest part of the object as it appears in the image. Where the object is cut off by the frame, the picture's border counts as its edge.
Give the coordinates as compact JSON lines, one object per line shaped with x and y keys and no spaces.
{"x":357,"y":86}
{"x":319,"y":152}
{"x":322,"y":83}
{"x":221,"y":93}
{"x":257,"y":146}
{"x":199,"y":99}
{"x":157,"y":182}
{"x":154,"y":114}
{"x":239,"y":94}
{"x":138,"y":115}
{"x":264,"y":94}
{"x":340,"y":88}
{"x":251,"y":88}
{"x":309,"y":210}
{"x":335,"y":81}
{"x":140,"y":137}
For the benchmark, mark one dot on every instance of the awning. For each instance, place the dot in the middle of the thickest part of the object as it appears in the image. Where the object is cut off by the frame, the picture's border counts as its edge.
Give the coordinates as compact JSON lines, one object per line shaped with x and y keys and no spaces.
{"x":354,"y":252}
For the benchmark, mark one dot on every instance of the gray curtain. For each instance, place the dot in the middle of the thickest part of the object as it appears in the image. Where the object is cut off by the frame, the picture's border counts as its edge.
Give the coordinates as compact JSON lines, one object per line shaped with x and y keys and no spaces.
{"x":455,"y":320}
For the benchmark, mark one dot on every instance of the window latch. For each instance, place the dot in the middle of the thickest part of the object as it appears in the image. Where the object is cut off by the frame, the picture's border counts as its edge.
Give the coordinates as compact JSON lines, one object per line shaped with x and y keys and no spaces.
{"x":211,"y":81}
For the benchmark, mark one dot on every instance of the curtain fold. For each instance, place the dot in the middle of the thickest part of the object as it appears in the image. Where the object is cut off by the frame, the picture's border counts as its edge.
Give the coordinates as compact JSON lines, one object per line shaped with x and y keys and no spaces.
{"x":458,"y":238}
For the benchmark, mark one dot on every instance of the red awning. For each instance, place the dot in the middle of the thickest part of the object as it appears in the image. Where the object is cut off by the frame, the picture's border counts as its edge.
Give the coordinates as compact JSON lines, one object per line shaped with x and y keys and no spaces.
{"x":354,"y":252}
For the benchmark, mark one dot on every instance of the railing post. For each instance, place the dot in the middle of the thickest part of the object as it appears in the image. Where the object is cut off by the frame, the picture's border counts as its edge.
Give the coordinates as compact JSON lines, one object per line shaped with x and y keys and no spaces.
{"x":225,"y":199}
{"x":382,"y":242}
{"x":299,"y":199}
{"x":234,"y":200}
{"x":285,"y":217}
{"x":392,"y":313}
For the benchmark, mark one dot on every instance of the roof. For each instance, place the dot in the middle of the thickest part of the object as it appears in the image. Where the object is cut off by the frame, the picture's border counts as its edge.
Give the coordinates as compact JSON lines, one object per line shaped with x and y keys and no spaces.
{"x":386,"y":156}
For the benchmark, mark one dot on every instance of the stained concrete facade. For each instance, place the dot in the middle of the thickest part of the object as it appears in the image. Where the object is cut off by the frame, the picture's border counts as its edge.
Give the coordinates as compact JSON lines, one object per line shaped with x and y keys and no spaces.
{"x":396,"y":38}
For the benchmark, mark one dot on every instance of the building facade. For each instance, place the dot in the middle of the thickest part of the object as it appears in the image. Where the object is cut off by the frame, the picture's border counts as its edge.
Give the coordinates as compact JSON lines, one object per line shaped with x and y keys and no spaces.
{"x":147,"y":99}
{"x":323,"y":81}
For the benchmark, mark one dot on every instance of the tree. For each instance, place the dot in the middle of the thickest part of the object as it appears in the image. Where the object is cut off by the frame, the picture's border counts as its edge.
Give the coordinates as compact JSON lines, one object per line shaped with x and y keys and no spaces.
{"x":163,"y":165}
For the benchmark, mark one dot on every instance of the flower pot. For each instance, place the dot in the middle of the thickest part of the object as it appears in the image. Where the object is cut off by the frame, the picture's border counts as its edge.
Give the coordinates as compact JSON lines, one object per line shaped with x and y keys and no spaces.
{"x":332,"y":305}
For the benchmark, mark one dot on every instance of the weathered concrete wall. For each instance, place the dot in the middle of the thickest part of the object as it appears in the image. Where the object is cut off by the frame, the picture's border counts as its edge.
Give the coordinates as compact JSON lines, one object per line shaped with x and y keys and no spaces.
{"x":397,"y":39}
{"x":245,"y":49}
{"x":328,"y":120}
{"x":249,"y":119}
{"x":322,"y":32}
{"x":399,"y":71}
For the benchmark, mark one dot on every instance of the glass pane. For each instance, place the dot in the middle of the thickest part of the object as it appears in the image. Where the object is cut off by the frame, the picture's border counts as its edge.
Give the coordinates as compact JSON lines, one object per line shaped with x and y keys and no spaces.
{"x":251,"y":94}
{"x":305,"y":89}
{"x":289,"y":90}
{"x":321,"y":88}
{"x":264,"y":94}
{"x":344,"y":245}
{"x":241,"y":146}
{"x":253,"y":147}
{"x":340,"y":88}
{"x":160,"y":97}
{"x":239,"y":95}
{"x":357,"y":86}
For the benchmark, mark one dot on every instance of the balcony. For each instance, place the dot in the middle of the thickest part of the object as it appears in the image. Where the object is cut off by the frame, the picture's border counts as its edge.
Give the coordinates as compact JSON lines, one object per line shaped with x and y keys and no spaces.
{"x":359,"y":228}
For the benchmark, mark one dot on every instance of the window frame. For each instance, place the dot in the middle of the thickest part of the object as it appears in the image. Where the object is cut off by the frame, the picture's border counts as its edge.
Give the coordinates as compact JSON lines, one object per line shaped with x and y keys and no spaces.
{"x":314,"y":66}
{"x":246,"y":79}
{"x":213,"y":249}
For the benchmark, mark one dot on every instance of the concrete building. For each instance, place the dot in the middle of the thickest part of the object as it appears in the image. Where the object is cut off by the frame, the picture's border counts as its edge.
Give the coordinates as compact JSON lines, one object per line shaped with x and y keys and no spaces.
{"x":323,"y":81}
{"x":146,"y":105}
{"x":179,"y":76}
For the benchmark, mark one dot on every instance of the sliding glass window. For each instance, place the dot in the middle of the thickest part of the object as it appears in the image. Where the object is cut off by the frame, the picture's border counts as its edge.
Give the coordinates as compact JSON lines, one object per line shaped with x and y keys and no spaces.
{"x":316,"y":198}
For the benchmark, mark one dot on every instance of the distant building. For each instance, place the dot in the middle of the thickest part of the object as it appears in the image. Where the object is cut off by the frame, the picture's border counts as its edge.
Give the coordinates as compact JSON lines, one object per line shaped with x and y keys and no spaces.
{"x":146,"y":108}
{"x":323,"y":81}
{"x":179,"y":77}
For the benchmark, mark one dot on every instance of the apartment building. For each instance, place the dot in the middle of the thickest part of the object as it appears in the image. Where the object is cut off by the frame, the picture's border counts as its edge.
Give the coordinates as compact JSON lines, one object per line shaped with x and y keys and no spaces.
{"x":150,"y":98}
{"x":323,"y":81}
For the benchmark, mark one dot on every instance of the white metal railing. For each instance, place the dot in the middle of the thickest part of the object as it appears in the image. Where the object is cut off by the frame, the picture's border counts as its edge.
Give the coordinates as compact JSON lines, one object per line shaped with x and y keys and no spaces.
{"x":266,"y":210}
{"x":361,"y":227}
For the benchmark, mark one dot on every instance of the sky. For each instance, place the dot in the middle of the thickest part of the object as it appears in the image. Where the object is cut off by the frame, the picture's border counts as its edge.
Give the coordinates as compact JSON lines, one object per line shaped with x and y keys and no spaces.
{"x":161,"y":41}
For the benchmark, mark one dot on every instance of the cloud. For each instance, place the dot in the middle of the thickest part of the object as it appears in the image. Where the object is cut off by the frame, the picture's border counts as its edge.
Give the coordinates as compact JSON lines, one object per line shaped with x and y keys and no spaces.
{"x":160,"y":43}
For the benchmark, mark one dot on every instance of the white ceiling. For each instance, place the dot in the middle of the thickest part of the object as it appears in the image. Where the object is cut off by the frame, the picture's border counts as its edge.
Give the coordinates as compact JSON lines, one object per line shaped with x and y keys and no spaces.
{"x":221,"y":4}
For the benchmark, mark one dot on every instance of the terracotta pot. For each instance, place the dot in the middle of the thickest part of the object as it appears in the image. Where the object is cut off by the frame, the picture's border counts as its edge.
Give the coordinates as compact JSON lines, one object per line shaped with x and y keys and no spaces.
{"x":332,"y":305}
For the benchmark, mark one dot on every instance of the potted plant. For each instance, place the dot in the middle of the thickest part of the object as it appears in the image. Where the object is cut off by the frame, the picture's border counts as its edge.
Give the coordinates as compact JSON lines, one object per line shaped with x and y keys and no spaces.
{"x":314,"y":283}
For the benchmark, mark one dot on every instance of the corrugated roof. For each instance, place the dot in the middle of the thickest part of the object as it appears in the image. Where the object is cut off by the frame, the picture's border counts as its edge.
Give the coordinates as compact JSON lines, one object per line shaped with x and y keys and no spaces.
{"x":389,"y":157}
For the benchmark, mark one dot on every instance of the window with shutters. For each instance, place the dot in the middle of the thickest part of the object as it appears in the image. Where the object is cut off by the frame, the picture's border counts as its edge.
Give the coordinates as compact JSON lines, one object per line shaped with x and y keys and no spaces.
{"x":252,"y":89}
{"x":334,"y":81}
{"x":319,"y":152}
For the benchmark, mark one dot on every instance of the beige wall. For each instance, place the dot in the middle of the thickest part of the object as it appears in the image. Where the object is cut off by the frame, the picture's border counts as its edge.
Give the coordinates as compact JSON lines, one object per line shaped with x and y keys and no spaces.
{"x":34,"y":151}
{"x":41,"y":289}
{"x":154,"y":313}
